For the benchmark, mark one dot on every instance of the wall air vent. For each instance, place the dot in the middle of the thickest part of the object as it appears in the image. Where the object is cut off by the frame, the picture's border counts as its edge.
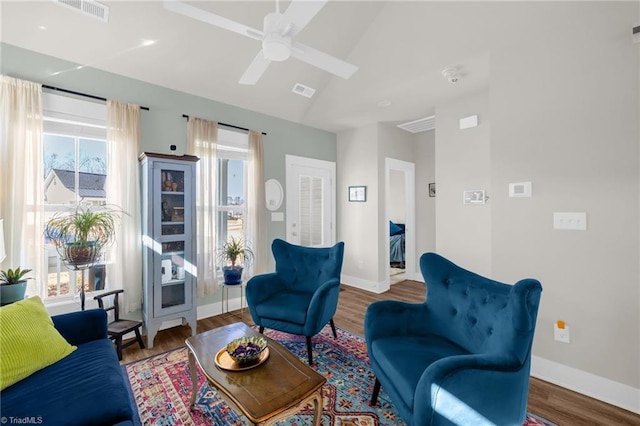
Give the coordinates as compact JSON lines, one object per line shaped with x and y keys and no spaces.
{"x":303,"y":90}
{"x":421,"y":125}
{"x":87,"y":7}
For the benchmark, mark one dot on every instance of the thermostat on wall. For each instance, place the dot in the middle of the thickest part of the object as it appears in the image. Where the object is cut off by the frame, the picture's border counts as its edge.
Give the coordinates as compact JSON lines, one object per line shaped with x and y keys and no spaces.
{"x":521,"y":189}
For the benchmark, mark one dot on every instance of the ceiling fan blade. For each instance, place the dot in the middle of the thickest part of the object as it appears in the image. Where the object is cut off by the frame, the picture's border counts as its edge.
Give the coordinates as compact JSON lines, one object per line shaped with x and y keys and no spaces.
{"x":322,"y":60}
{"x":257,"y":67}
{"x":212,"y":19}
{"x":300,"y":12}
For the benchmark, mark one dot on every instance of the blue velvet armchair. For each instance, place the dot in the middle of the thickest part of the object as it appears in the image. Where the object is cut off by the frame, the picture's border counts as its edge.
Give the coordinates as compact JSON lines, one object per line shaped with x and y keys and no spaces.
{"x":460,"y":358}
{"x":301,"y":297}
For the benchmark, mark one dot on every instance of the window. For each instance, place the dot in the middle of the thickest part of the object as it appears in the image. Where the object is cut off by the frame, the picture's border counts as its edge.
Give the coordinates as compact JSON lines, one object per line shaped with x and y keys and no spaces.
{"x":75,"y":167}
{"x":232,"y":169}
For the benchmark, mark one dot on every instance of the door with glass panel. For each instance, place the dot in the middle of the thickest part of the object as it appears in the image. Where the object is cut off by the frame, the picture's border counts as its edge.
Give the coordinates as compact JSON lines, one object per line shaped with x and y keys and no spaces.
{"x":310,"y":202}
{"x":172,"y":292}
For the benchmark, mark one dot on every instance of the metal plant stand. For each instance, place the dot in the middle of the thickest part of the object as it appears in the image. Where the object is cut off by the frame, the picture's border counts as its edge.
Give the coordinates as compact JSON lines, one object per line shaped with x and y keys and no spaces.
{"x":82,"y":269}
{"x":81,"y":265}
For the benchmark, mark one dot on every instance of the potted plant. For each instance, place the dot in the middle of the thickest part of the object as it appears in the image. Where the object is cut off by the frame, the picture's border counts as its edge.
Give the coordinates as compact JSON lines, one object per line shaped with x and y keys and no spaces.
{"x":13,"y":285}
{"x":81,"y":235}
{"x":234,"y":250}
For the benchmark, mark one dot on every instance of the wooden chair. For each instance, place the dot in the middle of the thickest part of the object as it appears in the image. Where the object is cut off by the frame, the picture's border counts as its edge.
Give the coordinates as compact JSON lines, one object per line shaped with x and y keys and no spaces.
{"x":119,"y":327}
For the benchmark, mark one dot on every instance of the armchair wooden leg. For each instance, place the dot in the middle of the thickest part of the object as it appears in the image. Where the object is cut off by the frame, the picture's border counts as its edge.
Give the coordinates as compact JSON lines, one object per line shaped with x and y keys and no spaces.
{"x":376,"y":391}
{"x":261,"y":329}
{"x":309,"y":350}
{"x":333,"y":328}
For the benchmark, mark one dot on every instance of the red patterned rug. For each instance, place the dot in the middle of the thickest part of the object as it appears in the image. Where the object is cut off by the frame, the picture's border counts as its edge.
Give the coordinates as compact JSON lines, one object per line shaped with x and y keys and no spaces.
{"x":162,"y":387}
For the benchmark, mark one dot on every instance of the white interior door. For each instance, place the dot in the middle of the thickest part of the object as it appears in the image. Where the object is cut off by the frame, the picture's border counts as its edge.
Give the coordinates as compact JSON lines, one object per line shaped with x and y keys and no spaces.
{"x":310,"y":205}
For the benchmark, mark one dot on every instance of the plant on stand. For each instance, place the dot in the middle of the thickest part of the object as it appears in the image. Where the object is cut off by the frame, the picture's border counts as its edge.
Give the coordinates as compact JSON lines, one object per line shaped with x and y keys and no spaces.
{"x":13,"y":285}
{"x":233,"y":251}
{"x":80,"y":236}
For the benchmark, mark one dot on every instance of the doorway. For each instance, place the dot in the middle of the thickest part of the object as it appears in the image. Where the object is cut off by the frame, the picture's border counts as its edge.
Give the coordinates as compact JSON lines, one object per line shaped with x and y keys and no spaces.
{"x":310,"y":205}
{"x":400,"y":219}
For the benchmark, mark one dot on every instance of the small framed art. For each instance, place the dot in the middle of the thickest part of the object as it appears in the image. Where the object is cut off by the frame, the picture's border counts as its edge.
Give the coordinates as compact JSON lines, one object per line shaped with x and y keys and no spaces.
{"x":358,"y":193}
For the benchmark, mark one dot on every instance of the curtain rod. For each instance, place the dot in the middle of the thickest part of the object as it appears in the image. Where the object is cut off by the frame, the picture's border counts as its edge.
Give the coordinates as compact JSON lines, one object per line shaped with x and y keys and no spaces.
{"x":227,"y":125}
{"x":44,"y":86}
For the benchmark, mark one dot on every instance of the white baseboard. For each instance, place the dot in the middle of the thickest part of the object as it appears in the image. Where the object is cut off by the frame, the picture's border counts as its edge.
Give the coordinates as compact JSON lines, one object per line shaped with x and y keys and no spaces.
{"x":414,"y":277}
{"x":588,"y":384}
{"x":372,"y":286}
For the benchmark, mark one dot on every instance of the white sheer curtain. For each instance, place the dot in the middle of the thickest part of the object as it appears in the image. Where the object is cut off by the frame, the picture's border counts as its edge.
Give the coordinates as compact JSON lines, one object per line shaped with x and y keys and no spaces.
{"x":255,"y":228}
{"x":124,"y":269}
{"x":21,"y":179}
{"x":201,"y":141}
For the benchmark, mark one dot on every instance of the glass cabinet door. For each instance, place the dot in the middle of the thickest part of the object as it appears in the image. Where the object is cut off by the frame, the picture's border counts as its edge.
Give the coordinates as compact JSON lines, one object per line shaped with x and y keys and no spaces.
{"x":172,"y":284}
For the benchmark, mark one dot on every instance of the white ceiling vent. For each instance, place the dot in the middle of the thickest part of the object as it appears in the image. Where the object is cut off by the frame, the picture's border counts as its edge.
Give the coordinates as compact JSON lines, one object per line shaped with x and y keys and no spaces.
{"x":87,"y":7}
{"x":303,"y":90}
{"x":421,"y":125}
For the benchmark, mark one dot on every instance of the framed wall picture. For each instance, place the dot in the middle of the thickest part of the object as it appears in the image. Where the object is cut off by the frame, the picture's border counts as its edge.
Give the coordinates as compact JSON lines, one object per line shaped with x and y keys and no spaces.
{"x":432,"y":189}
{"x":358,"y":193}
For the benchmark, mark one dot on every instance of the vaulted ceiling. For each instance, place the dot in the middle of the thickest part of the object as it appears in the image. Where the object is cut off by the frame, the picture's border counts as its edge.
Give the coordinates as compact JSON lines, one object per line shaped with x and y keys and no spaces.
{"x":400,"y":48}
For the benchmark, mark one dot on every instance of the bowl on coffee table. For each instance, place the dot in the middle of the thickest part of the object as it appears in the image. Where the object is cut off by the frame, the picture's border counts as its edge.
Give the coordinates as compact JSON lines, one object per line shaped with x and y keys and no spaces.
{"x":246,"y":350}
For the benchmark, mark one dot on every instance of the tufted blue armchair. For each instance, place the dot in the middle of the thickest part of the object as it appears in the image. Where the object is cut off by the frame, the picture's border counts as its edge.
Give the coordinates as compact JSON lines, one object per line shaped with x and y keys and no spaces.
{"x":460,"y":358}
{"x":301,"y":297}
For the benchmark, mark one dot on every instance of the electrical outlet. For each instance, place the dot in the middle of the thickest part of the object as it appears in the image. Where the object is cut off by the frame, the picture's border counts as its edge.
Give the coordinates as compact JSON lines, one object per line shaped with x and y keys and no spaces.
{"x":561,"y":334}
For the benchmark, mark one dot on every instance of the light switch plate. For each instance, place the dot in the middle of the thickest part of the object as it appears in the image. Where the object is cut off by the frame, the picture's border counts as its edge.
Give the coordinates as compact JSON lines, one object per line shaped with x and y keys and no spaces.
{"x":573,"y":221}
{"x":277,"y":217}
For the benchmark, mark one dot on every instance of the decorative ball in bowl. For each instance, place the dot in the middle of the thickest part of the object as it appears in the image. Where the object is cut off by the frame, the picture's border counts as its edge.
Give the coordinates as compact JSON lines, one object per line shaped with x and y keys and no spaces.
{"x":246,"y":350}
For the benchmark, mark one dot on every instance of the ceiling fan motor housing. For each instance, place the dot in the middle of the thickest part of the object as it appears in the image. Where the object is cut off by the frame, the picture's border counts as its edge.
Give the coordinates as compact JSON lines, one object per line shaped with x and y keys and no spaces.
{"x":276,"y":44}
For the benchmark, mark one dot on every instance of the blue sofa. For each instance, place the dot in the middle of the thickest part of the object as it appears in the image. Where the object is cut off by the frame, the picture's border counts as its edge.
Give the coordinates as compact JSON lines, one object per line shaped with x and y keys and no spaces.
{"x":86,"y":387}
{"x":460,"y":358}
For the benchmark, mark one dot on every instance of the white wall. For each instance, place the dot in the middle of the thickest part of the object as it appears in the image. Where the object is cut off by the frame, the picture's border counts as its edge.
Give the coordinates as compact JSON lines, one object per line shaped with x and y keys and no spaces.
{"x":361,"y":157}
{"x":564,"y":114}
{"x":463,"y":163}
{"x":357,"y":159}
{"x":561,"y":120}
{"x":425,"y":148}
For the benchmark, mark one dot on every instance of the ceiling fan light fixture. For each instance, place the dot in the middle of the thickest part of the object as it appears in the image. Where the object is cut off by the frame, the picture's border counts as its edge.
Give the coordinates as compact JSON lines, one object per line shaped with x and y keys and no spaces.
{"x":276,"y":46}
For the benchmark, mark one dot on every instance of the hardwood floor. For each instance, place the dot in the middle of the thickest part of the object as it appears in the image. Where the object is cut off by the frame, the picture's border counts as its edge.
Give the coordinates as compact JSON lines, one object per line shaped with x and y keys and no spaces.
{"x":552,"y":402}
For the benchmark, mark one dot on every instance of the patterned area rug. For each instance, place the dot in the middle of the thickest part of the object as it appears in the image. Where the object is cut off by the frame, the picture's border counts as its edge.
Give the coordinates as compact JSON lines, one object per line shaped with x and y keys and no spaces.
{"x":162,"y":387}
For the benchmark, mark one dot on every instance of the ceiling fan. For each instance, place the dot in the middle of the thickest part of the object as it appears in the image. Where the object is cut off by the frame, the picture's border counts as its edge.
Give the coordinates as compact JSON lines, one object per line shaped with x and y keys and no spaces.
{"x":276,"y":37}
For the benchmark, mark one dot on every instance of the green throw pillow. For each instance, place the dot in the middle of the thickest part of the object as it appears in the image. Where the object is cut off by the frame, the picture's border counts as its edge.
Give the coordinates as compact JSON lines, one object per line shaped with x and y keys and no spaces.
{"x":28,"y":341}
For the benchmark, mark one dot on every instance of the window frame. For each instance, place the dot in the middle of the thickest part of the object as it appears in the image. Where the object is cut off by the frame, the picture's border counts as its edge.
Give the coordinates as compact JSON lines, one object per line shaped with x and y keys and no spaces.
{"x":78,"y":119}
{"x":232,"y":145}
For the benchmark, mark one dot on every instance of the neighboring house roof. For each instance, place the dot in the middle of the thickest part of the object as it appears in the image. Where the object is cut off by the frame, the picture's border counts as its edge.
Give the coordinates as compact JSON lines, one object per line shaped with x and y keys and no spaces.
{"x":90,"y":184}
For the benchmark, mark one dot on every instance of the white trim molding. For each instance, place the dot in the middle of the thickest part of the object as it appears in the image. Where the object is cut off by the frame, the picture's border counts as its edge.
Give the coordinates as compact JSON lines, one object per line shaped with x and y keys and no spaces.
{"x":372,"y":286}
{"x":618,"y":394}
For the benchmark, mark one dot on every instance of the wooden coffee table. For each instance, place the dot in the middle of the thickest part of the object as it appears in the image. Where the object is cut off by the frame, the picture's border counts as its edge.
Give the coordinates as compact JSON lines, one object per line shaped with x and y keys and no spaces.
{"x":272,"y":391}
